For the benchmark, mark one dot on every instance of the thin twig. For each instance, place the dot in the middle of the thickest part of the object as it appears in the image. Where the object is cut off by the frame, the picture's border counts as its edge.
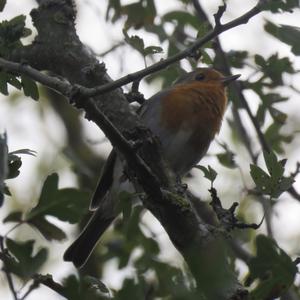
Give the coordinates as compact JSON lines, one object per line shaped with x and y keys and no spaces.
{"x":219,"y":14}
{"x":48,"y":281}
{"x":112,"y":48}
{"x":5,"y":270}
{"x":32,"y":287}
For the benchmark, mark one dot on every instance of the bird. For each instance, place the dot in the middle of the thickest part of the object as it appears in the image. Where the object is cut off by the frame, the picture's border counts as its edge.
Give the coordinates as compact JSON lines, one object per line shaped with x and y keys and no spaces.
{"x":185,"y":117}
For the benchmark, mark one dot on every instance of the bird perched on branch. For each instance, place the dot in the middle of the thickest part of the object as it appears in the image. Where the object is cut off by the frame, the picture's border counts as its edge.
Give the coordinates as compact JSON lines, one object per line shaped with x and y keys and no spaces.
{"x":186,"y":118}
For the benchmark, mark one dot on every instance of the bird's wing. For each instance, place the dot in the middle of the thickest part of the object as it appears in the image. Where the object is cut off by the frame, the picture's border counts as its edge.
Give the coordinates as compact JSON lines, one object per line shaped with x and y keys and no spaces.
{"x":105,"y":180}
{"x":149,"y":113}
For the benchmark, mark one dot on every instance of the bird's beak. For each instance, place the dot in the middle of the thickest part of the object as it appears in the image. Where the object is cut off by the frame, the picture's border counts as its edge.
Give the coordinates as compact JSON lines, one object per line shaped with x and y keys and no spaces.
{"x":229,"y":79}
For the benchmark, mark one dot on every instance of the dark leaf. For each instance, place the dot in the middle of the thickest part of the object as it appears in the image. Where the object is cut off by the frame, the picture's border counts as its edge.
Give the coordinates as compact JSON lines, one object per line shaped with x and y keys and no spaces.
{"x":23,"y":151}
{"x":3,"y":83}
{"x":95,"y":283}
{"x":66,"y":204}
{"x":261,"y":178}
{"x":275,"y":138}
{"x":274,"y":269}
{"x":208,"y":172}
{"x":134,"y":41}
{"x":152,"y":50}
{"x":3,"y":164}
{"x":115,"y":7}
{"x":2,"y":4}
{"x":227,"y":159}
{"x":139,"y":14}
{"x":182,"y":18}
{"x":275,"y":183}
{"x":237,"y":58}
{"x":76,"y":288}
{"x":13,"y":167}
{"x":286,"y":34}
{"x":48,"y":230}
{"x":280,"y":5}
{"x":15,"y":216}
{"x":30,"y":87}
{"x":275,"y":168}
{"x":25,"y":263}
{"x":125,"y":205}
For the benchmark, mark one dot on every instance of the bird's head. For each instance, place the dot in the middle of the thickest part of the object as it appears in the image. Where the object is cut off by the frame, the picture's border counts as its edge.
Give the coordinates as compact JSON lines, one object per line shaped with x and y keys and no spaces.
{"x":206,"y":75}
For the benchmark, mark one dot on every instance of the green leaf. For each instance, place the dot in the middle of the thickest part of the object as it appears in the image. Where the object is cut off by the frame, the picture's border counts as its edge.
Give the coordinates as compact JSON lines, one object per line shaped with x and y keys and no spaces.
{"x":182,"y":18}
{"x":14,"y":82}
{"x":275,"y":138}
{"x":48,"y":230}
{"x":25,"y":263}
{"x":261,"y":178}
{"x":274,"y":67}
{"x":23,"y":151}
{"x":15,"y":216}
{"x":10,"y":34}
{"x":289,"y":35}
{"x":237,"y":58}
{"x":2,"y":4}
{"x":205,"y":58}
{"x":125,"y":205}
{"x":3,"y":83}
{"x":95,"y":283}
{"x":135,"y":41}
{"x":275,"y":168}
{"x":280,"y":5}
{"x":66,"y":204}
{"x":259,"y":60}
{"x":275,"y":183}
{"x":208,"y":172}
{"x":274,"y":269}
{"x":3,"y":164}
{"x":14,"y":164}
{"x":152,"y":50}
{"x":30,"y":87}
{"x":227,"y":157}
{"x":115,"y":6}
{"x":139,"y":14}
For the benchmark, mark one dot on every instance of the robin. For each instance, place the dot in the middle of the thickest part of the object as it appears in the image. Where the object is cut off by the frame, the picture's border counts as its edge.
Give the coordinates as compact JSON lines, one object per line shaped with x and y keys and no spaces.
{"x":186,"y":118}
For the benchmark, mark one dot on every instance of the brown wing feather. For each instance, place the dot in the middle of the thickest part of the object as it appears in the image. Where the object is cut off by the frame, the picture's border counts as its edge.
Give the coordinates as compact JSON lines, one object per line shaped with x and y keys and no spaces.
{"x":105,"y":180}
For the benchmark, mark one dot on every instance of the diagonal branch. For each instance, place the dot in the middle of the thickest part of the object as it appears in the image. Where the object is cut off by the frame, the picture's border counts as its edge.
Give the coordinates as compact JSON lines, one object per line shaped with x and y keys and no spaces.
{"x":177,"y":57}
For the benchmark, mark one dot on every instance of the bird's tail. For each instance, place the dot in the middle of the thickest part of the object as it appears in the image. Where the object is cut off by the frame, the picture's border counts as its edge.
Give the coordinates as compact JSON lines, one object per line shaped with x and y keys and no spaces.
{"x":82,"y":247}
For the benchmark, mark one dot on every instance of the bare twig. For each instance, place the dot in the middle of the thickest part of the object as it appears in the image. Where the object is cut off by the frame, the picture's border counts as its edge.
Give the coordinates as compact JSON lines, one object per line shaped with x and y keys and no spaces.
{"x":219,"y":14}
{"x":112,"y":48}
{"x":48,"y":281}
{"x":31,"y":288}
{"x":227,"y":217}
{"x":3,"y":257}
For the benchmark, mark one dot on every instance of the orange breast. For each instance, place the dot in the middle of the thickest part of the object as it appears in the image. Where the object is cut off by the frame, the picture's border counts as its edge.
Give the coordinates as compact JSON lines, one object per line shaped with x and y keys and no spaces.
{"x":196,"y":107}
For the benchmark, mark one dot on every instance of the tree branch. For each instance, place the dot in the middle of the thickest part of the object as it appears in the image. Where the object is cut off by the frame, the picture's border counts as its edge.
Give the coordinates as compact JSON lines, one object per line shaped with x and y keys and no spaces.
{"x":48,"y":281}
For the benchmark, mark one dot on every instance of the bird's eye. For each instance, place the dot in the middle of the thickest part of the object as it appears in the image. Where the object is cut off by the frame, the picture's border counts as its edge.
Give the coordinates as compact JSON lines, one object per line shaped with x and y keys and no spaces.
{"x":199,"y":77}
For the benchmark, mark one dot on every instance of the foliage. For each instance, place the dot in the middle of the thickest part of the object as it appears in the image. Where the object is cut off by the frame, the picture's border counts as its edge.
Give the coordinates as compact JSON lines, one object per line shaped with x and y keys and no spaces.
{"x":131,"y":244}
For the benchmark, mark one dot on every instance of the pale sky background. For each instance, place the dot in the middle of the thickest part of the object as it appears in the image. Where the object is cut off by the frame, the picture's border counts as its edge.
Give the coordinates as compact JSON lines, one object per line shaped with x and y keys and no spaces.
{"x":29,"y":130}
